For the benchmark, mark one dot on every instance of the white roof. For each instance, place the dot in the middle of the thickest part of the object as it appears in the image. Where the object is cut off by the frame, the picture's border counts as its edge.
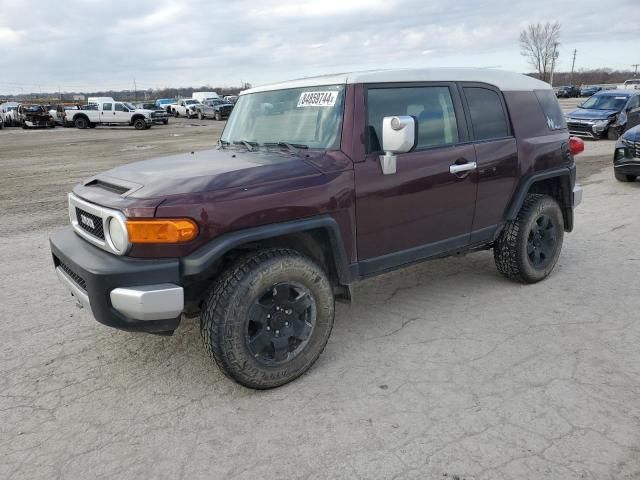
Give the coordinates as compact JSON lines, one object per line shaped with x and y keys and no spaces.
{"x":502,"y":79}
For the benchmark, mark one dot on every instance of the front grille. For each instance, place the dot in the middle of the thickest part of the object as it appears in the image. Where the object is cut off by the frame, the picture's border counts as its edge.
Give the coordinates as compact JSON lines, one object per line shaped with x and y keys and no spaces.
{"x":74,"y":276}
{"x":580,"y":127}
{"x":90,"y":223}
{"x":633,"y":147}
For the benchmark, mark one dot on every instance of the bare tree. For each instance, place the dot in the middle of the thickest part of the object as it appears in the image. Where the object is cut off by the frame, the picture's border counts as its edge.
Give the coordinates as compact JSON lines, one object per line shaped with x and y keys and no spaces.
{"x":539,"y":44}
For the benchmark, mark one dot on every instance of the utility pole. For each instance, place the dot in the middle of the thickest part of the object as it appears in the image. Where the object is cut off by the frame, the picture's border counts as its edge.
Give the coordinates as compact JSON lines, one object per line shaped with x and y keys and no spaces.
{"x":573,"y":64}
{"x":635,"y":68}
{"x":135,"y":90}
{"x":554,"y":57}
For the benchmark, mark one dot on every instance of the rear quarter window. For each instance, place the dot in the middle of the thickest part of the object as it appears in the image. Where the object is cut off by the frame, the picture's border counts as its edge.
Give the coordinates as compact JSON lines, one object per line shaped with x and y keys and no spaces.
{"x":551,"y":109}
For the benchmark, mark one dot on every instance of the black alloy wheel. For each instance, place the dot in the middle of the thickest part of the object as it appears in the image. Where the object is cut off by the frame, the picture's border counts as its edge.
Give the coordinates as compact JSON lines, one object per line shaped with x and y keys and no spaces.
{"x":541,"y":244}
{"x":280,"y":323}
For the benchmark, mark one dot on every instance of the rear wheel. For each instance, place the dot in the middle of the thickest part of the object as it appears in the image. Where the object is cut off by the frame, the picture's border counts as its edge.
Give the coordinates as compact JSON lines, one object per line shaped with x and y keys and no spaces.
{"x":529,"y":246}
{"x":621,"y":177}
{"x":268,"y":318}
{"x":139,"y":124}
{"x":81,"y":122}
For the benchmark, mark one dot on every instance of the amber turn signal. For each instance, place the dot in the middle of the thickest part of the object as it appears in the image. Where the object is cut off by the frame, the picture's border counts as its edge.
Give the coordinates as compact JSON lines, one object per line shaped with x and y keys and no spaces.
{"x":162,"y":230}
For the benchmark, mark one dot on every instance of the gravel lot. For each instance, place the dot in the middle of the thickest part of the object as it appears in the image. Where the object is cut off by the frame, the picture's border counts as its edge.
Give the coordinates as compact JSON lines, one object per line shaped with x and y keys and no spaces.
{"x":442,"y":370}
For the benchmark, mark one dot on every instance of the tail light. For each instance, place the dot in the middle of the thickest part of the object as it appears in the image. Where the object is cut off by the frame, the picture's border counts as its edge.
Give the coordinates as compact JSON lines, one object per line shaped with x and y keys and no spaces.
{"x":576,"y":145}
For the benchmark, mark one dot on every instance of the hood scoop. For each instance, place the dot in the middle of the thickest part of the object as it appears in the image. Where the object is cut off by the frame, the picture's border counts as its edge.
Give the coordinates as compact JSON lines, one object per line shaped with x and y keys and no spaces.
{"x":113,"y":185}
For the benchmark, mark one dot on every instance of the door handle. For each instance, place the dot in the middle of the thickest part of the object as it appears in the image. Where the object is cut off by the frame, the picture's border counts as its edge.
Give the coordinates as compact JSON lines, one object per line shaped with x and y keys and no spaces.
{"x":465,"y":167}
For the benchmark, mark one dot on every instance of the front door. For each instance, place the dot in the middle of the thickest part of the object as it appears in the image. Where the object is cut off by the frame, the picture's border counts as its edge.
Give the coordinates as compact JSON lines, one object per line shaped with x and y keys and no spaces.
{"x":423,"y":209}
{"x":633,"y":112}
{"x":121,"y":113}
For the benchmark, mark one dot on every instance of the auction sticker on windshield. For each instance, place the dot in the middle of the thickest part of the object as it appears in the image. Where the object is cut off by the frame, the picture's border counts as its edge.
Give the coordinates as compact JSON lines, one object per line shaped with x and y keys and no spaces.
{"x":317,"y":99}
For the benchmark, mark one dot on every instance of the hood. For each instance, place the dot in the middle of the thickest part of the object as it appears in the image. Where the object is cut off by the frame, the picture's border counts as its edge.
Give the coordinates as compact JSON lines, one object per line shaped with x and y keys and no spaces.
{"x":591,"y":114}
{"x":633,"y":134}
{"x":145,"y":111}
{"x":203,"y":171}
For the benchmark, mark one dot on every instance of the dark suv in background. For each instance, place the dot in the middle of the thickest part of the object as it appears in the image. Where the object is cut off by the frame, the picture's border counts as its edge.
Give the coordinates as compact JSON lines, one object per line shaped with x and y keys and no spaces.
{"x":316,"y":184}
{"x":606,"y":114}
{"x":567,"y":91}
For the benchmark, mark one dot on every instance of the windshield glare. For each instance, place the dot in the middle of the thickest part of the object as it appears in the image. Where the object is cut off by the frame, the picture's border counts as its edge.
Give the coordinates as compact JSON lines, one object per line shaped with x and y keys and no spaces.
{"x":310,"y":116}
{"x":605,"y":102}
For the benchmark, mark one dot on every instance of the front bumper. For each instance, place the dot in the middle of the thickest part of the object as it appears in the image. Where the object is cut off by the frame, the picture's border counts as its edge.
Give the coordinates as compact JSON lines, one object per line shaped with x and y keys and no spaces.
{"x":126,"y":293}
{"x":626,"y":159}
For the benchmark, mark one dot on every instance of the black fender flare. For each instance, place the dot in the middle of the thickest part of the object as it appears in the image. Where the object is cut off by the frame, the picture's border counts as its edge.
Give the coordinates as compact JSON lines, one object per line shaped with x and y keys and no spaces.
{"x":205,"y":257}
{"x":567,"y":175}
{"x":136,"y":117}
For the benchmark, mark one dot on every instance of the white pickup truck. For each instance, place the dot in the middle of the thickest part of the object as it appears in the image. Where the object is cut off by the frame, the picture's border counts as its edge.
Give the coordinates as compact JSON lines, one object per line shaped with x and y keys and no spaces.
{"x":631,"y":84}
{"x":185,"y":107}
{"x":108,"y":112}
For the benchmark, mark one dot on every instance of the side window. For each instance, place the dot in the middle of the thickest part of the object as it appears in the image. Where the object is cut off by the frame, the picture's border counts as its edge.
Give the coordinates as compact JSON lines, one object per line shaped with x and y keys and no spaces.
{"x":551,"y":109}
{"x":119,"y":107}
{"x":432,"y":107}
{"x":487,"y":115}
{"x":107,"y":106}
{"x":634,"y":102}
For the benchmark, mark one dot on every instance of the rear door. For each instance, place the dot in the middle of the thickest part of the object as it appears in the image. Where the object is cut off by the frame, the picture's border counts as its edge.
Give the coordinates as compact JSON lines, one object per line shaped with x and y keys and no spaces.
{"x":423,"y":209}
{"x":496,"y":156}
{"x":106,"y":114}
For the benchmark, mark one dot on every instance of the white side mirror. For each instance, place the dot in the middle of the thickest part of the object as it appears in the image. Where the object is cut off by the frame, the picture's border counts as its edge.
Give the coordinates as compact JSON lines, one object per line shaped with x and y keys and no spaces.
{"x":398,"y":136}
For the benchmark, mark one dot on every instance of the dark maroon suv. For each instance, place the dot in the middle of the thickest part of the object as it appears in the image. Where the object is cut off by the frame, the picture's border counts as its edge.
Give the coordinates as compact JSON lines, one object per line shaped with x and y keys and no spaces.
{"x":315,"y":184}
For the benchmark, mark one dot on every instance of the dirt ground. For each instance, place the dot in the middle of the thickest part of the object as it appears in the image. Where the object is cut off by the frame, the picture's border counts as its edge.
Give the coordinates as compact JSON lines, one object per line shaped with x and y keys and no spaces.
{"x":442,"y":370}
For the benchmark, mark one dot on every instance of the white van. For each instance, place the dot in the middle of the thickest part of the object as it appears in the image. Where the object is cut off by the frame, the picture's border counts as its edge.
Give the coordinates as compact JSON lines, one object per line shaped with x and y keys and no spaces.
{"x":202,"y":96}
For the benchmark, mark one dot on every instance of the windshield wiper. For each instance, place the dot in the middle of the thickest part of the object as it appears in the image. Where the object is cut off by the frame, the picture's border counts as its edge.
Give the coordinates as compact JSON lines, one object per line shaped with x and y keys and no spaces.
{"x":247,"y":144}
{"x":293,"y":147}
{"x":222,"y":143}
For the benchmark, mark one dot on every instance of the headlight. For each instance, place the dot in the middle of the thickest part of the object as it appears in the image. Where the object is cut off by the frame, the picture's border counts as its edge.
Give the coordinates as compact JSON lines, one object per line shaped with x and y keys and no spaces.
{"x":118,"y":236}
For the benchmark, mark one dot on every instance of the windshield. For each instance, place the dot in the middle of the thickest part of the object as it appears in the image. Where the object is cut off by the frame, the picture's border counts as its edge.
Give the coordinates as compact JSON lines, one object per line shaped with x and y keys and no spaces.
{"x":310,"y":116}
{"x":129,"y":106}
{"x":605,"y":102}
{"x":191,"y":102}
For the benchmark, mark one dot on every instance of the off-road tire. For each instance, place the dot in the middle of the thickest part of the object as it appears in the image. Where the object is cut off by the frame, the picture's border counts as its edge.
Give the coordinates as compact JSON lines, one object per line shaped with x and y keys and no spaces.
{"x":621,"y":177}
{"x":81,"y":123}
{"x":139,"y":124}
{"x":225,"y":315}
{"x":510,"y":249}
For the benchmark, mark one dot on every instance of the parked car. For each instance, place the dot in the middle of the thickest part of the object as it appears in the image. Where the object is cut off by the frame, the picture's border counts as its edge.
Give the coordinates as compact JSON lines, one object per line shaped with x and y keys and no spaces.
{"x":260,"y":235}
{"x":606,"y":114}
{"x":568,"y":91}
{"x":631,"y":84}
{"x":202,"y":96}
{"x":1,"y":122}
{"x":626,"y":158}
{"x":231,"y":99}
{"x":589,"y":90}
{"x":214,"y":108}
{"x":30,"y":116}
{"x":165,"y":104}
{"x":158,"y":115}
{"x":186,"y":107}
{"x":109,"y":112}
{"x":9,"y":114}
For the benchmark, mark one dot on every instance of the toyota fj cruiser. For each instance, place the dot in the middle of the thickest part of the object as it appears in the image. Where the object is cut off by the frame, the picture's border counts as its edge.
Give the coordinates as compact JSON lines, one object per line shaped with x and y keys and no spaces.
{"x":315,"y":184}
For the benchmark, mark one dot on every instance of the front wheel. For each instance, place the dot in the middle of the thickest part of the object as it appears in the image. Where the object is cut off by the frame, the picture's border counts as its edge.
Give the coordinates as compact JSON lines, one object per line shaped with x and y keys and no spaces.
{"x":139,"y":124}
{"x":612,"y":133}
{"x":268,"y":318}
{"x":166,"y":121}
{"x":529,"y":246}
{"x":621,"y":177}
{"x":218,"y":116}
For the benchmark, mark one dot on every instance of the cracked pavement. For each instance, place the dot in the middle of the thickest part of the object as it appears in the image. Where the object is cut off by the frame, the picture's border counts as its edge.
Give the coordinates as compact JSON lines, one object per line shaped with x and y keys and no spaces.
{"x":440,"y":370}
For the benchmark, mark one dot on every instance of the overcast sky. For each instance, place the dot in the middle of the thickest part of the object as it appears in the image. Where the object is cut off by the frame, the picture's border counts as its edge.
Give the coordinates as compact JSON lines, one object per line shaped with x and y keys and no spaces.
{"x":95,"y":44}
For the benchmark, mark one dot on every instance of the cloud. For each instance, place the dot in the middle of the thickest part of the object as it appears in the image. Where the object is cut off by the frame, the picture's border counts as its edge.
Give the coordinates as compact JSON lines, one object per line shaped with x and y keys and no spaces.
{"x":91,"y":44}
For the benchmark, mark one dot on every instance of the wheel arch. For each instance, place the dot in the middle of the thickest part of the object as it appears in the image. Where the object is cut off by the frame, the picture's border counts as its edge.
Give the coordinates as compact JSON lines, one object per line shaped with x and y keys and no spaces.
{"x":319,"y":238}
{"x":137,"y":116}
{"x":557,"y":183}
